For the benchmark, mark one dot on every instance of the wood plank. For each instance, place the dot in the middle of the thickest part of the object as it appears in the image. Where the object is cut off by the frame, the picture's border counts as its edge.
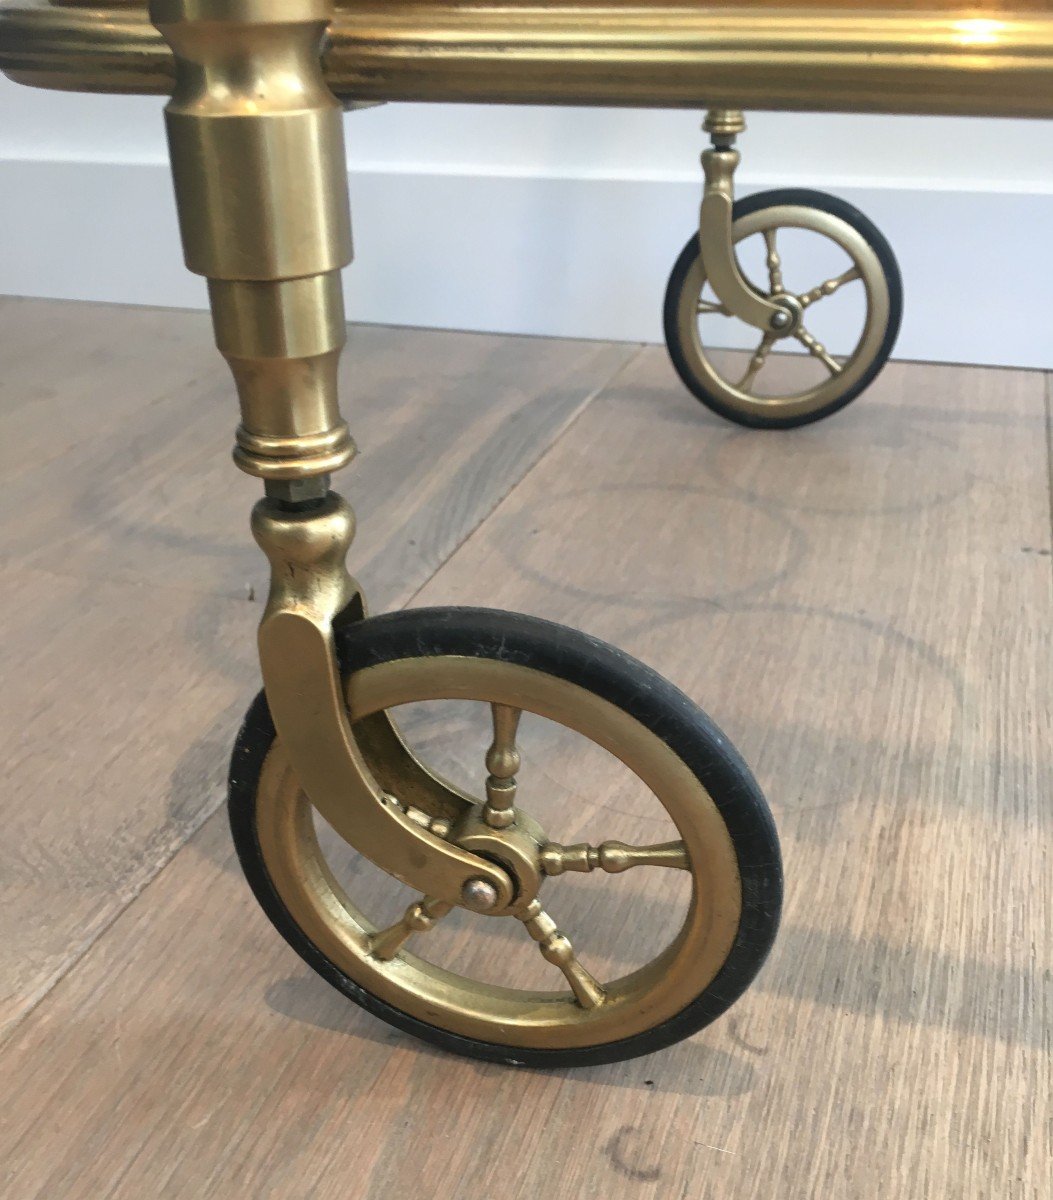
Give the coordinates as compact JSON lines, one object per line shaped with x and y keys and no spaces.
{"x":865,"y":606}
{"x":116,"y":706}
{"x":126,"y":648}
{"x":76,"y":374}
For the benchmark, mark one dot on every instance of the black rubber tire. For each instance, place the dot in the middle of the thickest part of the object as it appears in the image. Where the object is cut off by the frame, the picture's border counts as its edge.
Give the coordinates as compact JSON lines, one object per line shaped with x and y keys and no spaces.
{"x":624,"y":682}
{"x":803,"y":198}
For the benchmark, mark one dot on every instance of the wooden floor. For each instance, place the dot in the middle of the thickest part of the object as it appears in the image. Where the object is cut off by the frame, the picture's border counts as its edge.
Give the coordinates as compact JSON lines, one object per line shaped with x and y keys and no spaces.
{"x":865,"y":606}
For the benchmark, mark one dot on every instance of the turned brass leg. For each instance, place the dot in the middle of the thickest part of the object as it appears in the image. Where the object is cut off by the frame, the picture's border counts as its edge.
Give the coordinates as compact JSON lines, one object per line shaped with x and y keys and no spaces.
{"x":257,"y":153}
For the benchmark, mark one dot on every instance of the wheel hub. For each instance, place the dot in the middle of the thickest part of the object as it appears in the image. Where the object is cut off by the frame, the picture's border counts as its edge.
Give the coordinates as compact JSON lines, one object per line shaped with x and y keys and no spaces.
{"x":787,"y":320}
{"x":516,"y":848}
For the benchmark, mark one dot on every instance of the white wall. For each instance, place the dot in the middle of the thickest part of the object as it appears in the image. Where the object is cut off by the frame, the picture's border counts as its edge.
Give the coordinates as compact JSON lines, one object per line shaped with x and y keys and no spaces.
{"x":558,"y":221}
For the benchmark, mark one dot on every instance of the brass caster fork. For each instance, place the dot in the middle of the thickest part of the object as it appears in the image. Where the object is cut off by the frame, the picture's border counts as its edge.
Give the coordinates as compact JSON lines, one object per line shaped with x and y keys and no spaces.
{"x":261,"y":187}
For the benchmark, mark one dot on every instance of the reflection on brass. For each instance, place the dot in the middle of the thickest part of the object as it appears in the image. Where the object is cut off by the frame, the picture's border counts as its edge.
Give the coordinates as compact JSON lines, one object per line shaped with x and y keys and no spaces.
{"x":478,"y":896}
{"x":914,"y":56}
{"x":588,"y":1012}
{"x":440,"y":826}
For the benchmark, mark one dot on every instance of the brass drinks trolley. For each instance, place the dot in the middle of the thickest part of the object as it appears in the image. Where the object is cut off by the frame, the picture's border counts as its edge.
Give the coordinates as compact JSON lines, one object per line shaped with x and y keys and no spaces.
{"x":257,"y":155}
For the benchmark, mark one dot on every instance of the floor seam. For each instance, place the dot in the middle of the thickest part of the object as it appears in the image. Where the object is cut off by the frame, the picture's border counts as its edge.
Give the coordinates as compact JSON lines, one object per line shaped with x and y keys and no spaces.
{"x":117,"y":580}
{"x":503,"y":499}
{"x":204,"y":815}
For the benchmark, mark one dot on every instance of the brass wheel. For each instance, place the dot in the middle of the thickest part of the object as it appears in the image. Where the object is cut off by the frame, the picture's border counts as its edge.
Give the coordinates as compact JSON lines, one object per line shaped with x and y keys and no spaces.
{"x":785,"y":239}
{"x":519,"y":672}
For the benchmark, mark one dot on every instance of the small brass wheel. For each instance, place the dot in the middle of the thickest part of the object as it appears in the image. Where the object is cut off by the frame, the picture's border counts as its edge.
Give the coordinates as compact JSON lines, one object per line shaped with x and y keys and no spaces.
{"x":771,"y":234}
{"x":514,"y":672}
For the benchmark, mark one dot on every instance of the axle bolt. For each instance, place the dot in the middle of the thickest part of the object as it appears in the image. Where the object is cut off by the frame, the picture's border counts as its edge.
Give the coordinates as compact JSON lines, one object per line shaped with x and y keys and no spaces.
{"x":479,"y":895}
{"x":780,"y":319}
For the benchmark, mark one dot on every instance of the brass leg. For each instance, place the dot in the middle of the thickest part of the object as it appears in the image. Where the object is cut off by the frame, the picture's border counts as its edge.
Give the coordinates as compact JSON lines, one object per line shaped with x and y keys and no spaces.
{"x":257,"y":155}
{"x":256,"y":143}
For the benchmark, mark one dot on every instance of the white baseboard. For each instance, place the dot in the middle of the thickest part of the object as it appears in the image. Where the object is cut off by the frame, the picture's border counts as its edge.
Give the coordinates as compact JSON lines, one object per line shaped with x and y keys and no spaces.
{"x":569,"y":257}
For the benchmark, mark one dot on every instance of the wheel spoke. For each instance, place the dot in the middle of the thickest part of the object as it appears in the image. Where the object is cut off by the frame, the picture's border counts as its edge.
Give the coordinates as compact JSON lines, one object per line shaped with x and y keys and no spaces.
{"x":774,"y":263}
{"x":556,"y":948}
{"x":712,"y":306}
{"x":760,"y":356}
{"x":613,"y":857}
{"x":818,"y":350}
{"x":419,"y":918}
{"x":830,"y":286}
{"x":502,"y":762}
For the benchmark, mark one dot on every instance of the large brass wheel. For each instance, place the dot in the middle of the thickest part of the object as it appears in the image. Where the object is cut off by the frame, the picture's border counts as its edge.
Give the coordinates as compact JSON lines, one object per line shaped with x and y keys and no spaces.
{"x":580,"y":697}
{"x":834,"y":269}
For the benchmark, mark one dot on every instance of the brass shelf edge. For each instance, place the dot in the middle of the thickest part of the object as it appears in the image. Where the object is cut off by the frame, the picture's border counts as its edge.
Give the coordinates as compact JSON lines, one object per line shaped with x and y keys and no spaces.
{"x":676,"y":56}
